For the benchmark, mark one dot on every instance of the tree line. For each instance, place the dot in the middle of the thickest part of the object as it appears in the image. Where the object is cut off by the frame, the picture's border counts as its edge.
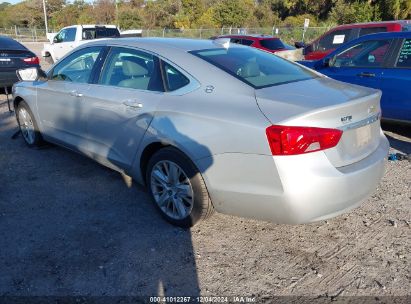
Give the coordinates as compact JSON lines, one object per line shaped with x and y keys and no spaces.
{"x":185,"y":14}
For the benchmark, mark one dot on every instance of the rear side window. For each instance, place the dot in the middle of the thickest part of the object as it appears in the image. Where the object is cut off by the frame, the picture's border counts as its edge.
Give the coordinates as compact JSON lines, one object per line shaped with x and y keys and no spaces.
{"x":404,"y":57}
{"x":372,"y":30}
{"x":333,"y":39}
{"x":66,"y":35}
{"x":272,"y":44}
{"x":100,"y":32}
{"x":257,"y":68}
{"x":174,"y":78}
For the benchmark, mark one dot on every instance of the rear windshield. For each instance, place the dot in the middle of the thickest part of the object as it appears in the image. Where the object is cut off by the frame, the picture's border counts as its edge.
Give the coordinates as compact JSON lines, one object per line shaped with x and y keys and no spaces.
{"x":100,"y":32}
{"x":255,"y":67}
{"x":7,"y":43}
{"x":272,"y":44}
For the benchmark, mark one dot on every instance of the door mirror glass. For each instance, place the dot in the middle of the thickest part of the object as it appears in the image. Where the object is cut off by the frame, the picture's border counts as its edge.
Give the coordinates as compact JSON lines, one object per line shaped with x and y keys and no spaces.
{"x":31,"y":74}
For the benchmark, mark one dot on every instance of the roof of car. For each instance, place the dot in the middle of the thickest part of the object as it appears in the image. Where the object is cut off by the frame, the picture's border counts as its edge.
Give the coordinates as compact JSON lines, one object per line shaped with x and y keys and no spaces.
{"x":182,"y":44}
{"x":255,"y":36}
{"x":376,"y":23}
{"x":405,"y":34}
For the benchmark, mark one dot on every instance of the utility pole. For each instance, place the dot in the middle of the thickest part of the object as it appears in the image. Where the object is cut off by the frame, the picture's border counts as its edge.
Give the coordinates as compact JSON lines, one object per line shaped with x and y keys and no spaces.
{"x":45,"y":16}
{"x":116,"y":13}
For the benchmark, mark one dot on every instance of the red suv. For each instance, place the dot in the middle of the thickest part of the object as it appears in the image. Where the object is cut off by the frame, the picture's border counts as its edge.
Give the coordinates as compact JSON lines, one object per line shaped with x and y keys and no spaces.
{"x":263,"y":42}
{"x":335,"y":37}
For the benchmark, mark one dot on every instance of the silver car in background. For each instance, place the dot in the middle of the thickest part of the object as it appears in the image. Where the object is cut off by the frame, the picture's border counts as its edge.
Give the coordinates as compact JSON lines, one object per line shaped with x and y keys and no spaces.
{"x":208,"y":125}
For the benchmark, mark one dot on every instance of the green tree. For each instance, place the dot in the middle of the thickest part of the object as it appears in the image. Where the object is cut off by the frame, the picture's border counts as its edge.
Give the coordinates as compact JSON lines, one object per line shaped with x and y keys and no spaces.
{"x":129,"y":18}
{"x":395,"y":9}
{"x":235,"y":13}
{"x":345,"y":12}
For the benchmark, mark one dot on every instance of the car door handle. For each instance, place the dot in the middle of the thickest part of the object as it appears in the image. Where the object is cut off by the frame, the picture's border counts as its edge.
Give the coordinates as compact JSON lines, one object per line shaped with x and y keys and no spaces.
{"x":366,"y":74}
{"x":76,"y":94}
{"x":132,"y":103}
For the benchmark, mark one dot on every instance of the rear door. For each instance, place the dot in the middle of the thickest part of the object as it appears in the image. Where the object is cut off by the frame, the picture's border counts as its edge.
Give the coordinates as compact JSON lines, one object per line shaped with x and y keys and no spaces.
{"x":363,"y":63}
{"x":396,"y":85}
{"x":121,"y":105}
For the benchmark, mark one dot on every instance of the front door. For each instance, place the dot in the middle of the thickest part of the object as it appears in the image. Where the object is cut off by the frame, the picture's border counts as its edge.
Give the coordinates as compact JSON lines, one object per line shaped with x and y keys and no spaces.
{"x":60,"y":100}
{"x":362,"y":64}
{"x":64,"y":42}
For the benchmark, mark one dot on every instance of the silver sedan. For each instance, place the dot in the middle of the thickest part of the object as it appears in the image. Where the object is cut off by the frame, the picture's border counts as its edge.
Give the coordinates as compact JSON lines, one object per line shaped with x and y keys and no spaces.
{"x":207,"y":125}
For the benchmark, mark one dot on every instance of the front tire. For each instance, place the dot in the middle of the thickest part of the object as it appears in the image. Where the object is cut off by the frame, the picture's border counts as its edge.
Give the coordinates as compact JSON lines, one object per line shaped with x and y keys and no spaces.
{"x":28,"y":125}
{"x":177,"y":188}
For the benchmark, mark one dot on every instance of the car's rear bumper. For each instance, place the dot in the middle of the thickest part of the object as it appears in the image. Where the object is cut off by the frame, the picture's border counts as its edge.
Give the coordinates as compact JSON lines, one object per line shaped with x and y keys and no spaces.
{"x":291,"y":189}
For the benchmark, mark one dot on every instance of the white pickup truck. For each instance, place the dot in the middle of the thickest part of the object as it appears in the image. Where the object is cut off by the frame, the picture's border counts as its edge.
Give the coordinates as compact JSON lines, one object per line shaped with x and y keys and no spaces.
{"x":71,"y":37}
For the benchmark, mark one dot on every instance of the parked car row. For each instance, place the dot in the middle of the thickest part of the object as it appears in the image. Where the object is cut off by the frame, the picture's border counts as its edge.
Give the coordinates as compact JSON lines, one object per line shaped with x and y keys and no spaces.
{"x":208,"y":125}
{"x":216,"y":125}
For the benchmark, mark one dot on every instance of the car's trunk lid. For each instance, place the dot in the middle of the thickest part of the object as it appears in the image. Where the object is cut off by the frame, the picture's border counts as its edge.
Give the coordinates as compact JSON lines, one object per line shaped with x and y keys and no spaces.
{"x":12,"y":58}
{"x":326,"y":103}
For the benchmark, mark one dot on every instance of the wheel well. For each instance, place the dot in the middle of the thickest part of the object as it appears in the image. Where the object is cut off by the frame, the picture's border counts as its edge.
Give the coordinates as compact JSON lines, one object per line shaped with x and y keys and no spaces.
{"x":16,"y":101}
{"x":146,"y":155}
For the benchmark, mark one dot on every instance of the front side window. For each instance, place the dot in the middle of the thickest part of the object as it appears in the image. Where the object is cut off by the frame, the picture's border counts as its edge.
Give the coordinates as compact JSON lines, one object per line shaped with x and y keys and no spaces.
{"x":404,"y":57}
{"x":77,"y":67}
{"x":174,"y":78}
{"x":66,"y":35}
{"x":255,"y":67}
{"x":333,"y":40}
{"x":370,"y":53}
{"x":133,"y":69}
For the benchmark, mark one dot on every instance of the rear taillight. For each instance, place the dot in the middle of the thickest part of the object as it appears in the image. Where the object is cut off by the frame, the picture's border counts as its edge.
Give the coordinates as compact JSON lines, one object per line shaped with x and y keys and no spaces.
{"x":32,"y":60}
{"x":286,"y":140}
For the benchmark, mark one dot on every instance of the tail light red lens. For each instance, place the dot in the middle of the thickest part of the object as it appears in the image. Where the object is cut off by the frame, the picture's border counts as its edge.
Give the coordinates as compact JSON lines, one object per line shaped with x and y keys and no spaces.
{"x":32,"y":60}
{"x":286,"y":140}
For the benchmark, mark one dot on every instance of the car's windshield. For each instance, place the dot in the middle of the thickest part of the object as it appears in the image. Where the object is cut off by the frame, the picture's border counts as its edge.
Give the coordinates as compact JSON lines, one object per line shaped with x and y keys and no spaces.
{"x":255,"y":67}
{"x":272,"y":44}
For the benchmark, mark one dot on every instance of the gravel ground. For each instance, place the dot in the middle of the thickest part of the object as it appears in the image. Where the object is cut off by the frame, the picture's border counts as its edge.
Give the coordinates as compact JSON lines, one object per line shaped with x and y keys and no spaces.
{"x":69,"y":226}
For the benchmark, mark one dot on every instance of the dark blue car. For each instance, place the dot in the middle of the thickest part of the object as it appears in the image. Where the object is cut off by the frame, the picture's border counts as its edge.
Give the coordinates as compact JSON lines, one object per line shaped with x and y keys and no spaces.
{"x":381,"y":61}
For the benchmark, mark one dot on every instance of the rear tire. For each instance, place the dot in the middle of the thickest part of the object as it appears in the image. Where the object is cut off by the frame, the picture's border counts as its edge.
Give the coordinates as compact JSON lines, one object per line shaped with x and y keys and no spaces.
{"x":28,"y":126}
{"x":177,"y":188}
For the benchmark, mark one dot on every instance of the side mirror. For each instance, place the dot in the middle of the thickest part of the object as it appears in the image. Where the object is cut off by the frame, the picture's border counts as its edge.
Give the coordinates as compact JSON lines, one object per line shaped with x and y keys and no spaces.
{"x":31,"y":74}
{"x":56,"y":39}
{"x":299,"y":44}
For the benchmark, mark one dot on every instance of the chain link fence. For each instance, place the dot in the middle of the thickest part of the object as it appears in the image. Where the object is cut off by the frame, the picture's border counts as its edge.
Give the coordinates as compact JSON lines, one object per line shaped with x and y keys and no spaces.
{"x":287,"y":34}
